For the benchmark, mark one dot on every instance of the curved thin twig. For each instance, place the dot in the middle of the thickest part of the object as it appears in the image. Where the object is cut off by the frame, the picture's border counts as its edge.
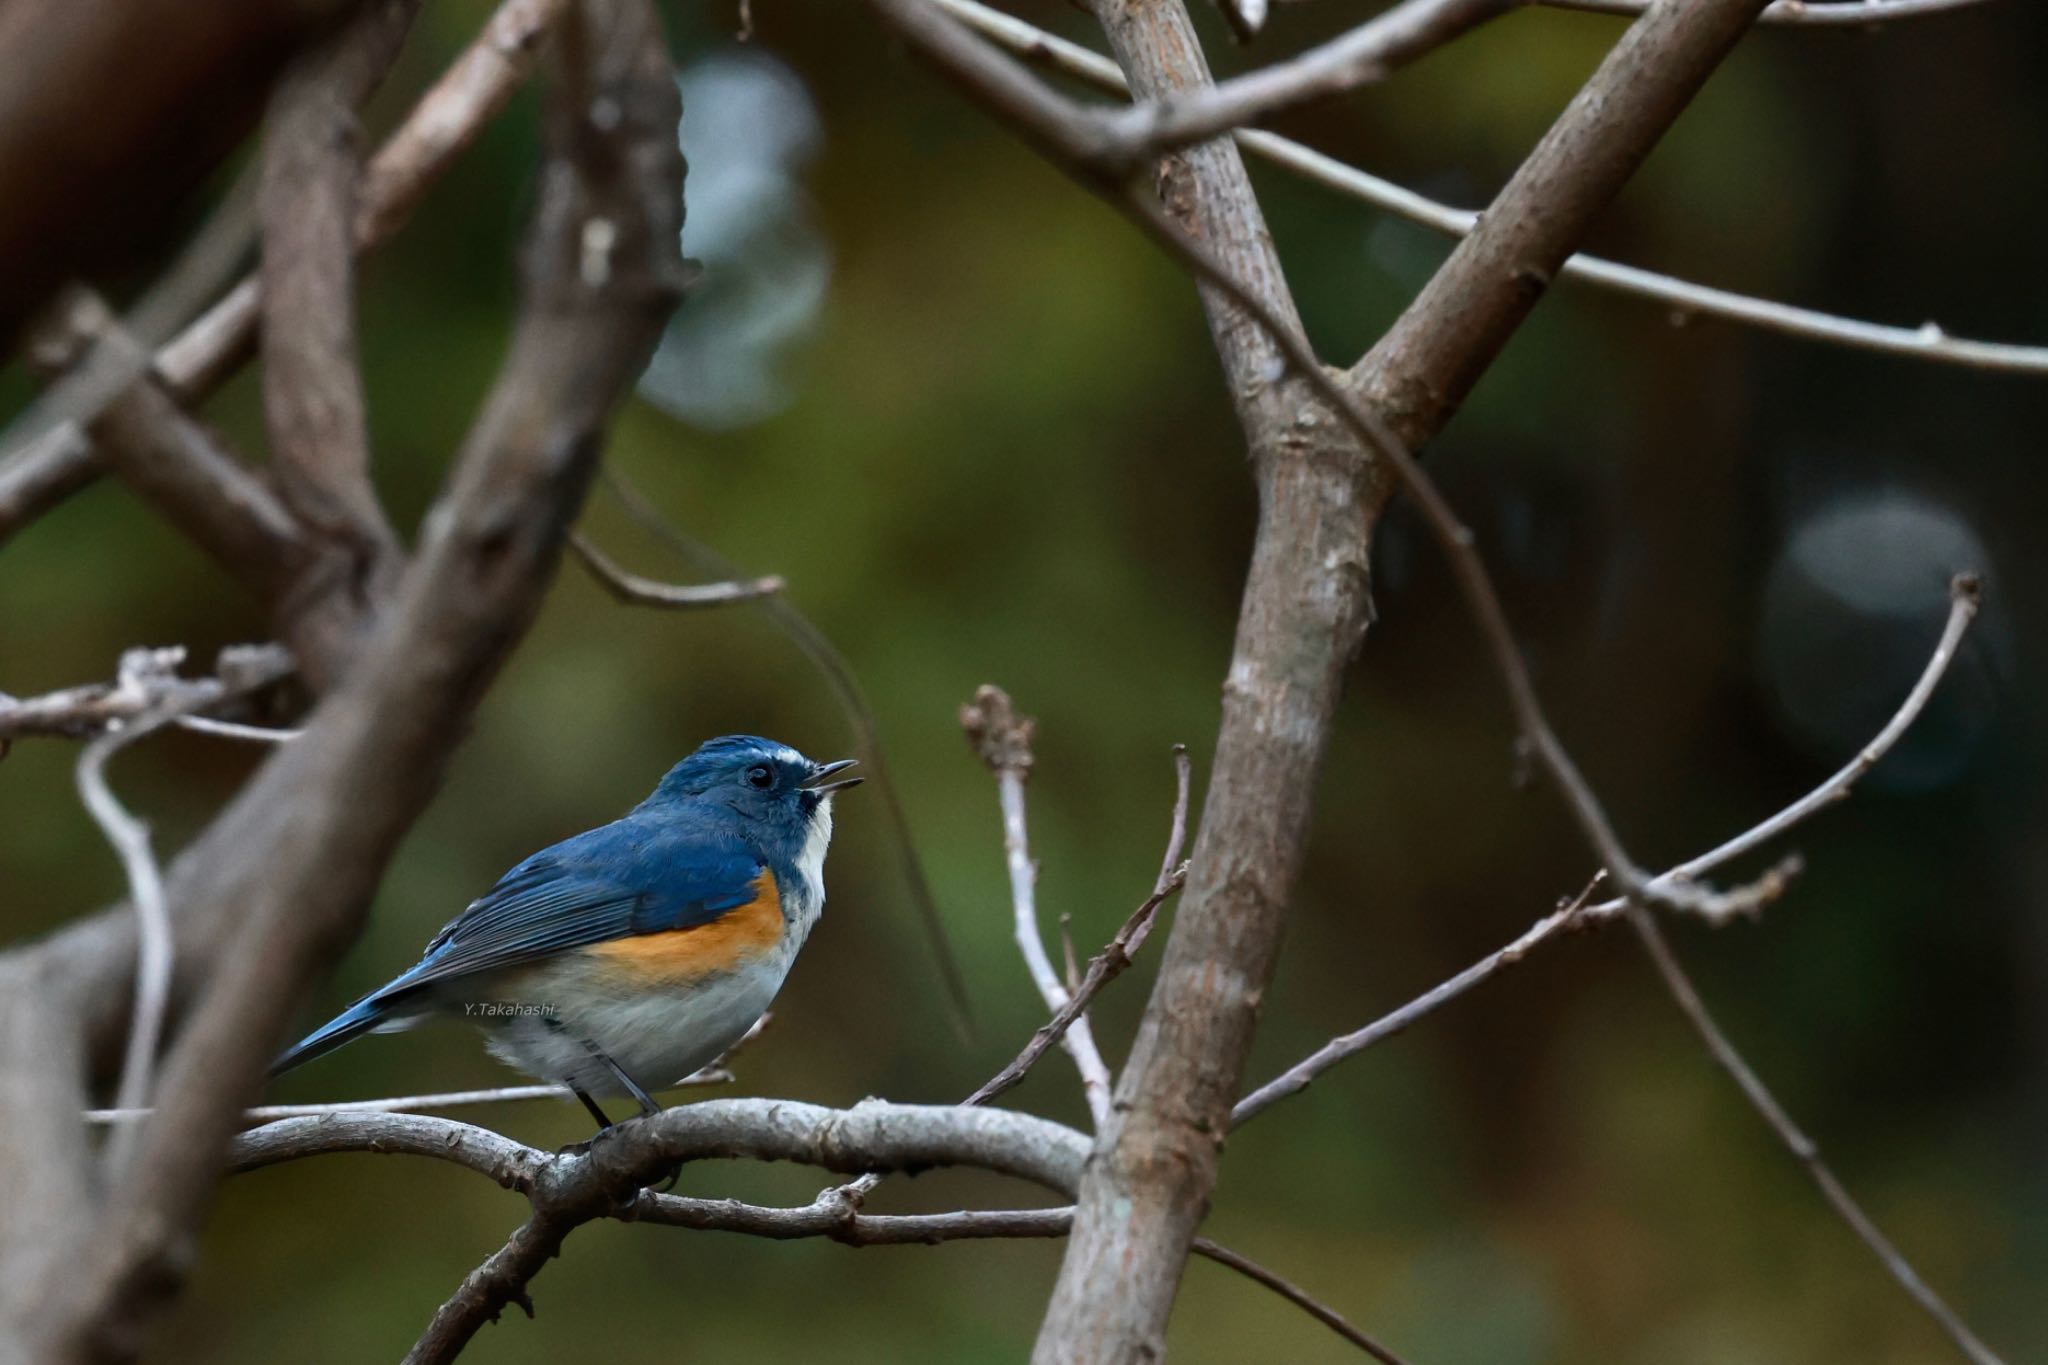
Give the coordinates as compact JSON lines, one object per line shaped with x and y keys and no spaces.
{"x":637,"y":591}
{"x":853,"y":702}
{"x":147,"y":680}
{"x":1296,"y":1295}
{"x":1001,"y":736}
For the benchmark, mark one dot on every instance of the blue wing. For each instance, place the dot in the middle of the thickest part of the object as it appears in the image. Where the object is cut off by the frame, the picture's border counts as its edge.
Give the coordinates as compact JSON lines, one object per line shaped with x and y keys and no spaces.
{"x":630,"y":877}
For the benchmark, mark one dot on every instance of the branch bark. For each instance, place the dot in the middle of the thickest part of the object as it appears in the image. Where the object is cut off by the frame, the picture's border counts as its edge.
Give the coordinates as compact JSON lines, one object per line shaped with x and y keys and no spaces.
{"x":1305,"y":609}
{"x":447,"y":119}
{"x":312,"y":388}
{"x":1926,"y":342}
{"x":265,"y":898}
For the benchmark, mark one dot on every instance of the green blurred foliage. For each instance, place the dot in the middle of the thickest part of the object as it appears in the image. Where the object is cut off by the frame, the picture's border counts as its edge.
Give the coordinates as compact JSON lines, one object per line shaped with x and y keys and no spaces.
{"x":1010,"y":459}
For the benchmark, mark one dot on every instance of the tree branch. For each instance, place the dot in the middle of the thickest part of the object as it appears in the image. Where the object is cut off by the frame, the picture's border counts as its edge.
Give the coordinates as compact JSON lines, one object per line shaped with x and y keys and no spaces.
{"x":1115,"y":956}
{"x":576,"y":1187}
{"x":1965,"y":596}
{"x":312,"y":388}
{"x":605,"y":1179}
{"x":1157,"y":1161}
{"x":1363,"y":56}
{"x":283,"y":877}
{"x":83,"y":712}
{"x":145,"y":672}
{"x":1686,"y":299}
{"x":191,"y":365}
{"x":1001,"y":737}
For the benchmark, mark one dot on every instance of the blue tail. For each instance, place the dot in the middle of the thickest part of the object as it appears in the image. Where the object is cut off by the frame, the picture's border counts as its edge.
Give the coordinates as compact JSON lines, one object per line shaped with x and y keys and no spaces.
{"x":351,"y":1024}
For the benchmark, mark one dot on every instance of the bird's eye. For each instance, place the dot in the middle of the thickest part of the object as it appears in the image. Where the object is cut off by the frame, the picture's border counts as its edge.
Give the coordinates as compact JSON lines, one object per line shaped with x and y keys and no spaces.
{"x":760,"y":776}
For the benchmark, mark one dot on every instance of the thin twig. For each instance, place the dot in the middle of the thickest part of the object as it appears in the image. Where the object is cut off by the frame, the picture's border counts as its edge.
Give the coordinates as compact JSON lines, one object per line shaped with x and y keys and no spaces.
{"x":1965,"y":598}
{"x":1103,"y":968}
{"x":148,"y":672}
{"x":1802,"y":1147}
{"x":1296,"y":1295}
{"x":1115,"y":956}
{"x":715,"y":1074}
{"x":1927,"y":342}
{"x":649,"y":592}
{"x":1363,"y":56}
{"x":1001,"y":736}
{"x":89,"y":710}
{"x":130,"y":840}
{"x":1298,"y":1077}
{"x":846,"y":689}
{"x":231,"y":729}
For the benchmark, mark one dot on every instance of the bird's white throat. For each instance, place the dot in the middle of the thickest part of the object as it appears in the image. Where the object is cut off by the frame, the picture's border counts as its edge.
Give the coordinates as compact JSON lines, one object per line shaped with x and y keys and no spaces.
{"x":810,"y":859}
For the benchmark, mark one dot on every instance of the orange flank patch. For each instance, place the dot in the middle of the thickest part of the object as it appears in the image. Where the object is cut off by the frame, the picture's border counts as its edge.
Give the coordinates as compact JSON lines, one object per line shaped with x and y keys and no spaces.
{"x":735,"y":937}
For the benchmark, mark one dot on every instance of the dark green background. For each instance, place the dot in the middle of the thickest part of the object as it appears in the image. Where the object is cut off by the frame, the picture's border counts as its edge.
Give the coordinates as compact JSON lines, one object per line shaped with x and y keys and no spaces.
{"x":1010,"y":459}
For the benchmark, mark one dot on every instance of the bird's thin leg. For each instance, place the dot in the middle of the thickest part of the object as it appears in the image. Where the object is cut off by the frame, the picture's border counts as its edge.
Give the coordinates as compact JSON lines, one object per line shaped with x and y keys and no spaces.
{"x":595,"y":1112}
{"x":648,"y":1107}
{"x":646,"y":1101}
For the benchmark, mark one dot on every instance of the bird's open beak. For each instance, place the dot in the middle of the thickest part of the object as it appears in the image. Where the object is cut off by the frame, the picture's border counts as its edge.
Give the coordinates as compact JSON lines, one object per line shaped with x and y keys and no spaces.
{"x":816,"y":781}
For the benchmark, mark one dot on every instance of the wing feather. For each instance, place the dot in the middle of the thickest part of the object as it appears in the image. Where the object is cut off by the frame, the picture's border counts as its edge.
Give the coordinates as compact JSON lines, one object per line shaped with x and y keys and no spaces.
{"x":611,"y":883}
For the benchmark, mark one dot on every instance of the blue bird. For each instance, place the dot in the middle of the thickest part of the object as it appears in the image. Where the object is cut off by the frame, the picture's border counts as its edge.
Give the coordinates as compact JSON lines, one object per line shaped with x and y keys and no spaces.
{"x":621,"y":960}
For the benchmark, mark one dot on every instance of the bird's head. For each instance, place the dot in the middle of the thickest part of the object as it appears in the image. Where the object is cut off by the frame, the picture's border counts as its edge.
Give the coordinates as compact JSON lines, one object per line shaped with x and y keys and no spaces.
{"x":778,"y":792}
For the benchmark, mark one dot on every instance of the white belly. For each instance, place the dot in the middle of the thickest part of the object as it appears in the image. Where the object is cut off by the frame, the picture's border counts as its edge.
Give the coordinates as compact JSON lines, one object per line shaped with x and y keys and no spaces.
{"x":657,"y":1038}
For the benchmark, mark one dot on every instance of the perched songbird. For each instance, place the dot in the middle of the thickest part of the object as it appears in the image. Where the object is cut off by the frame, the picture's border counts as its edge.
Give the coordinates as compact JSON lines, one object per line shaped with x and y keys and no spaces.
{"x":622,"y":960}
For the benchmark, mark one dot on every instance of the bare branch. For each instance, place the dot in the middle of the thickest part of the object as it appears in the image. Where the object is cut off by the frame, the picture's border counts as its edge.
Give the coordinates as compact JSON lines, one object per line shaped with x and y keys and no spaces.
{"x":146,"y":672}
{"x":634,"y":590}
{"x":1686,"y":299}
{"x":1802,"y":1147}
{"x":716,"y":1073}
{"x":853,"y":702}
{"x":447,"y":119}
{"x":605,"y":1179}
{"x":451,"y":115}
{"x":1001,"y":736}
{"x":312,"y":388}
{"x":1294,"y":1294}
{"x":1365,"y":55}
{"x":82,"y":712}
{"x":191,"y":365}
{"x":268,"y":921}
{"x":1115,"y":956}
{"x":1119,"y":1276}
{"x":1965,"y":594}
{"x":1393,"y":374}
{"x":42,"y":474}
{"x":1298,"y":1077}
{"x":576,"y":1187}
